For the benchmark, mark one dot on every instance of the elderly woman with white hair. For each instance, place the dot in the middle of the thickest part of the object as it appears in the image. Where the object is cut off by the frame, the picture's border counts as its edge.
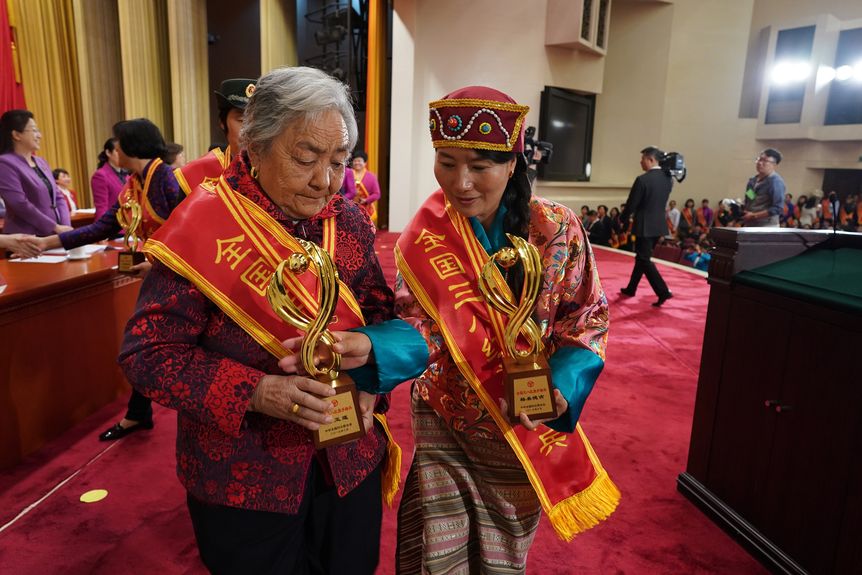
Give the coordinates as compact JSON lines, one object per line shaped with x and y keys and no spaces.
{"x":205,"y":342}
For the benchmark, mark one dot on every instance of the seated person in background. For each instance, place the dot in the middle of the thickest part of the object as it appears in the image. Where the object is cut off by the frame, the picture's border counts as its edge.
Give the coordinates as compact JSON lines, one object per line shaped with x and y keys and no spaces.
{"x":689,"y":217}
{"x":789,"y":212}
{"x":108,"y":179}
{"x":704,"y":215}
{"x":672,"y":215}
{"x":176,"y":156}
{"x":34,"y":204}
{"x":600,"y":229}
{"x":850,"y":214}
{"x":808,"y":217}
{"x":152,"y":184}
{"x":584,"y":211}
{"x":64,"y":182}
{"x":696,"y":253}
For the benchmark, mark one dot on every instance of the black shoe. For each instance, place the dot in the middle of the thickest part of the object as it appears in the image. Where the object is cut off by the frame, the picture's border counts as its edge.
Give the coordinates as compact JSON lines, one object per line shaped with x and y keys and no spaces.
{"x":118,"y":431}
{"x":662,"y":299}
{"x":627,"y":292}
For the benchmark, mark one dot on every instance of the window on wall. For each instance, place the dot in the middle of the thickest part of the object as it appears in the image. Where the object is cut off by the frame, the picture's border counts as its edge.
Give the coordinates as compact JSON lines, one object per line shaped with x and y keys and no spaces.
{"x":845,"y":91}
{"x":791,"y":67}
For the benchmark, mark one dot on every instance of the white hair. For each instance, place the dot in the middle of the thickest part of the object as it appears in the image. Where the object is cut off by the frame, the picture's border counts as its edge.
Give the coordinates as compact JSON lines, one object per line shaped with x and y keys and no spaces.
{"x":287,"y":95}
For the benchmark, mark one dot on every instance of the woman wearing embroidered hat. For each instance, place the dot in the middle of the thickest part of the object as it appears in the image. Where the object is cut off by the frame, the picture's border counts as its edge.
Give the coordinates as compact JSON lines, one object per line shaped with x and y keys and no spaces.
{"x":478,"y":483}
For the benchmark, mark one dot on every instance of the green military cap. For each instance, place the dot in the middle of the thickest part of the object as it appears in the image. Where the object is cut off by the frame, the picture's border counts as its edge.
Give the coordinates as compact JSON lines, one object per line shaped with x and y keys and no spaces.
{"x":235,"y":92}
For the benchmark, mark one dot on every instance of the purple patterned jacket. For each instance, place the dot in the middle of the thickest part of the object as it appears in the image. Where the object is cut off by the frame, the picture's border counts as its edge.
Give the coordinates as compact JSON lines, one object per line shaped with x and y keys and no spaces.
{"x":182,"y":351}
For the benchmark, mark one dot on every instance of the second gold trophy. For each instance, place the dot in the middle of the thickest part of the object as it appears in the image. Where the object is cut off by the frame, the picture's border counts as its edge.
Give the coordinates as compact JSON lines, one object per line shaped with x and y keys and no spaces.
{"x":347,"y":418}
{"x":527,"y":376}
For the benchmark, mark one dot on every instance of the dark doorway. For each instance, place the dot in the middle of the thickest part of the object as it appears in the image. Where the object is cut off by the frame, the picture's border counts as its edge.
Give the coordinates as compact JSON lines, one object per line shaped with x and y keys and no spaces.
{"x":233,"y":36}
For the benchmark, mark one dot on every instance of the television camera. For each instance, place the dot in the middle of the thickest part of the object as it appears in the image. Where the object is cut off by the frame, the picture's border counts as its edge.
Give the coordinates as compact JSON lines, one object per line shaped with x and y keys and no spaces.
{"x":673,"y":164}
{"x":536,"y":151}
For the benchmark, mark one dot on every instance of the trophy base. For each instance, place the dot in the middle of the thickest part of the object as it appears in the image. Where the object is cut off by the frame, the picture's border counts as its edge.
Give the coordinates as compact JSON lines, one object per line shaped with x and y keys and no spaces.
{"x":127,"y":260}
{"x":528,"y":389}
{"x":347,"y":417}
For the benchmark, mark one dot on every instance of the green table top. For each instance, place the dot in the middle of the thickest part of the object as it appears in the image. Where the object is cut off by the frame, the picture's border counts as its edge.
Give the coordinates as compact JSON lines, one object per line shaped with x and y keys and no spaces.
{"x":830,"y":277}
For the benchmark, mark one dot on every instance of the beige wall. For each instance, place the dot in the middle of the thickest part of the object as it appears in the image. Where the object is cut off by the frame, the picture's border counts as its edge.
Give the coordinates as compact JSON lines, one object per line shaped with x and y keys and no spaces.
{"x":672,"y":77}
{"x":443,"y":45}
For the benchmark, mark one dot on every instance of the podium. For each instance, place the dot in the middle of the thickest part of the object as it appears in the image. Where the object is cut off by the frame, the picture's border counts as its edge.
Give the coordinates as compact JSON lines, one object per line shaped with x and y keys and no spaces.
{"x":774,"y":457}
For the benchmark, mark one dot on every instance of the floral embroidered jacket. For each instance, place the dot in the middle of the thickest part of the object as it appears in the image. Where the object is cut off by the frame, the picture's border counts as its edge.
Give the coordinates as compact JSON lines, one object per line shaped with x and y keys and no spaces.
{"x":571,"y":310}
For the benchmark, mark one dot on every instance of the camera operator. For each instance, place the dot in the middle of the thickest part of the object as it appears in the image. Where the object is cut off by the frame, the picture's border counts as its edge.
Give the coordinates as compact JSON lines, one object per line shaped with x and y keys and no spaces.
{"x":536,"y":152}
{"x":646,"y":201}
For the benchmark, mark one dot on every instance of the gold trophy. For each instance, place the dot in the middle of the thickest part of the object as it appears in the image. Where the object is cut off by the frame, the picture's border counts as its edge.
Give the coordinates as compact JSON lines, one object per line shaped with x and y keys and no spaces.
{"x":526,"y":374}
{"x":129,"y":217}
{"x":347,"y":421}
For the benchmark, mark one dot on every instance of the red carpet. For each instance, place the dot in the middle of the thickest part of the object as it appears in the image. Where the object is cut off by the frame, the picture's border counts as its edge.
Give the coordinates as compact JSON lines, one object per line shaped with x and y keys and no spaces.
{"x":638,"y":419}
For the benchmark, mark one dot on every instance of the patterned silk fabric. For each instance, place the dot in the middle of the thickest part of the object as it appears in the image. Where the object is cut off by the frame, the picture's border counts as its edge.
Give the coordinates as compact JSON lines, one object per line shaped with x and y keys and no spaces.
{"x":185,"y":353}
{"x":572,"y":311}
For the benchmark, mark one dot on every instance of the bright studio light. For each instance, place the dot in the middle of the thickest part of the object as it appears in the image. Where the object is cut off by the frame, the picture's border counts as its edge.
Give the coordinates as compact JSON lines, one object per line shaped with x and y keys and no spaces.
{"x":843,"y":73}
{"x":846,"y":72}
{"x":784,"y":73}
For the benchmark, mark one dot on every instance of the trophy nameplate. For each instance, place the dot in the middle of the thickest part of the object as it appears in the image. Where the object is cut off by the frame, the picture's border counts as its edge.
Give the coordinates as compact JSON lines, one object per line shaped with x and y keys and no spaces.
{"x":127,"y":259}
{"x":527,"y":383}
{"x":129,"y":217}
{"x":346,"y":422}
{"x":528,"y":388}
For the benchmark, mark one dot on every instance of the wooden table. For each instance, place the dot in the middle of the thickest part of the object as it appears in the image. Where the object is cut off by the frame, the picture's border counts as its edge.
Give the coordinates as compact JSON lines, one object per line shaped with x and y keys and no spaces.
{"x":83,"y":218}
{"x":60,"y":331}
{"x":79,"y":220}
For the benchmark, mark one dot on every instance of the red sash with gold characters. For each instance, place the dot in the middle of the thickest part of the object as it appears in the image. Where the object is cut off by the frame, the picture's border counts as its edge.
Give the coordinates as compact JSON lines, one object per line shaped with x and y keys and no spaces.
{"x":231,"y":260}
{"x":132,"y":190}
{"x":205,"y":170}
{"x":362,"y":192}
{"x":440,"y":258}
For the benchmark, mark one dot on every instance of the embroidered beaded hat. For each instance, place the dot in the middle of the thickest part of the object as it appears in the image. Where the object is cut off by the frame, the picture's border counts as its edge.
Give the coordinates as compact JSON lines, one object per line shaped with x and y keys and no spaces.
{"x":235,"y":92}
{"x":478,"y":117}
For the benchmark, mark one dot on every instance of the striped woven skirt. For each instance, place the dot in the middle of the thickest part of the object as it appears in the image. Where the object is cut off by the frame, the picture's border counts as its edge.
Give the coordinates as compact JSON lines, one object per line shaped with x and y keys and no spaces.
{"x":467,"y":508}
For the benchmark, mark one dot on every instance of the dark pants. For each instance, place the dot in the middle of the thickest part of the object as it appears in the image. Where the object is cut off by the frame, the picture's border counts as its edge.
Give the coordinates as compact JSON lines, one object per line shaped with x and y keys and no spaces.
{"x":644,"y":266}
{"x":140,"y":408}
{"x":329,"y":535}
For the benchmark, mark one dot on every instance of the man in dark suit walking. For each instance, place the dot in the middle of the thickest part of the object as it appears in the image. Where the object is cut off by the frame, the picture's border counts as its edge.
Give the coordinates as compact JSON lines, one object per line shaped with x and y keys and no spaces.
{"x":647,"y":200}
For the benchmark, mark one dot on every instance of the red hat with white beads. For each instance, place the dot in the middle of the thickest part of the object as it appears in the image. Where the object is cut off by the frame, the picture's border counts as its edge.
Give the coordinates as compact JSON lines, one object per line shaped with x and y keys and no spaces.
{"x":478,"y":117}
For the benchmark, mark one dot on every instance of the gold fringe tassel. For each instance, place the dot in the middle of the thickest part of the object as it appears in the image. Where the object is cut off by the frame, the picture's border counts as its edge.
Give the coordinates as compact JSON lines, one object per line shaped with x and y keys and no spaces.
{"x":392,"y":471}
{"x":586,"y":509}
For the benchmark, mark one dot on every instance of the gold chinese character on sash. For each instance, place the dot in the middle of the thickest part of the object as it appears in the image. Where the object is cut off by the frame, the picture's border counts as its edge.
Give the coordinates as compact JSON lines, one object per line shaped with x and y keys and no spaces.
{"x":489,"y":349}
{"x":209,"y":184}
{"x":229,"y":249}
{"x":551,"y":439}
{"x":464,"y":293}
{"x":432,"y":241}
{"x":257,"y":276}
{"x":447,"y":265}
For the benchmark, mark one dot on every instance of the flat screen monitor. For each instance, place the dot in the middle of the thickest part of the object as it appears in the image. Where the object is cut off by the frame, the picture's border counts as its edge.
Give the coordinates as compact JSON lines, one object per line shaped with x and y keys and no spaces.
{"x":566,"y":121}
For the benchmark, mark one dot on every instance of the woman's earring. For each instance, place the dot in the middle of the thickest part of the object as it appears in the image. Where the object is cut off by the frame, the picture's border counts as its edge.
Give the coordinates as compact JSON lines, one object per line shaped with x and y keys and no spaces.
{"x":512,"y":173}
{"x":253,"y":171}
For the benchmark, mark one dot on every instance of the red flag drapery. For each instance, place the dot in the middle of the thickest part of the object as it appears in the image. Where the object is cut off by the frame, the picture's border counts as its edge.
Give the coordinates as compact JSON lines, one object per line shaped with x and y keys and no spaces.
{"x":11,"y":88}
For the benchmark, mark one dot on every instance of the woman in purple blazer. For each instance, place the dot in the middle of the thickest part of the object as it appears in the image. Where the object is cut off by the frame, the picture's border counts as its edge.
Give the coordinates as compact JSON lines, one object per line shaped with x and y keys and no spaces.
{"x":34,"y":204}
{"x":108,"y":179}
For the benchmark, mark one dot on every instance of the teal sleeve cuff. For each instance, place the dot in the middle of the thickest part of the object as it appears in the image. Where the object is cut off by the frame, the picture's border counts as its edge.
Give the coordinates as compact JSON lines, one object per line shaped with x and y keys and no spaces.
{"x":400,"y":354}
{"x":574,"y":371}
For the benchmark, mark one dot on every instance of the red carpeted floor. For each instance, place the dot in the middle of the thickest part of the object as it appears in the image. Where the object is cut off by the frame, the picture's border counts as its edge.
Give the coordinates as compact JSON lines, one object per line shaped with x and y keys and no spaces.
{"x":638,"y":419}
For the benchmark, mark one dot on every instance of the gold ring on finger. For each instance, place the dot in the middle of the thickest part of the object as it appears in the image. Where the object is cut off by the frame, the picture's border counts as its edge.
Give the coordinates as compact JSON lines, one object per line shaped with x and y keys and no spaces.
{"x":295,"y":409}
